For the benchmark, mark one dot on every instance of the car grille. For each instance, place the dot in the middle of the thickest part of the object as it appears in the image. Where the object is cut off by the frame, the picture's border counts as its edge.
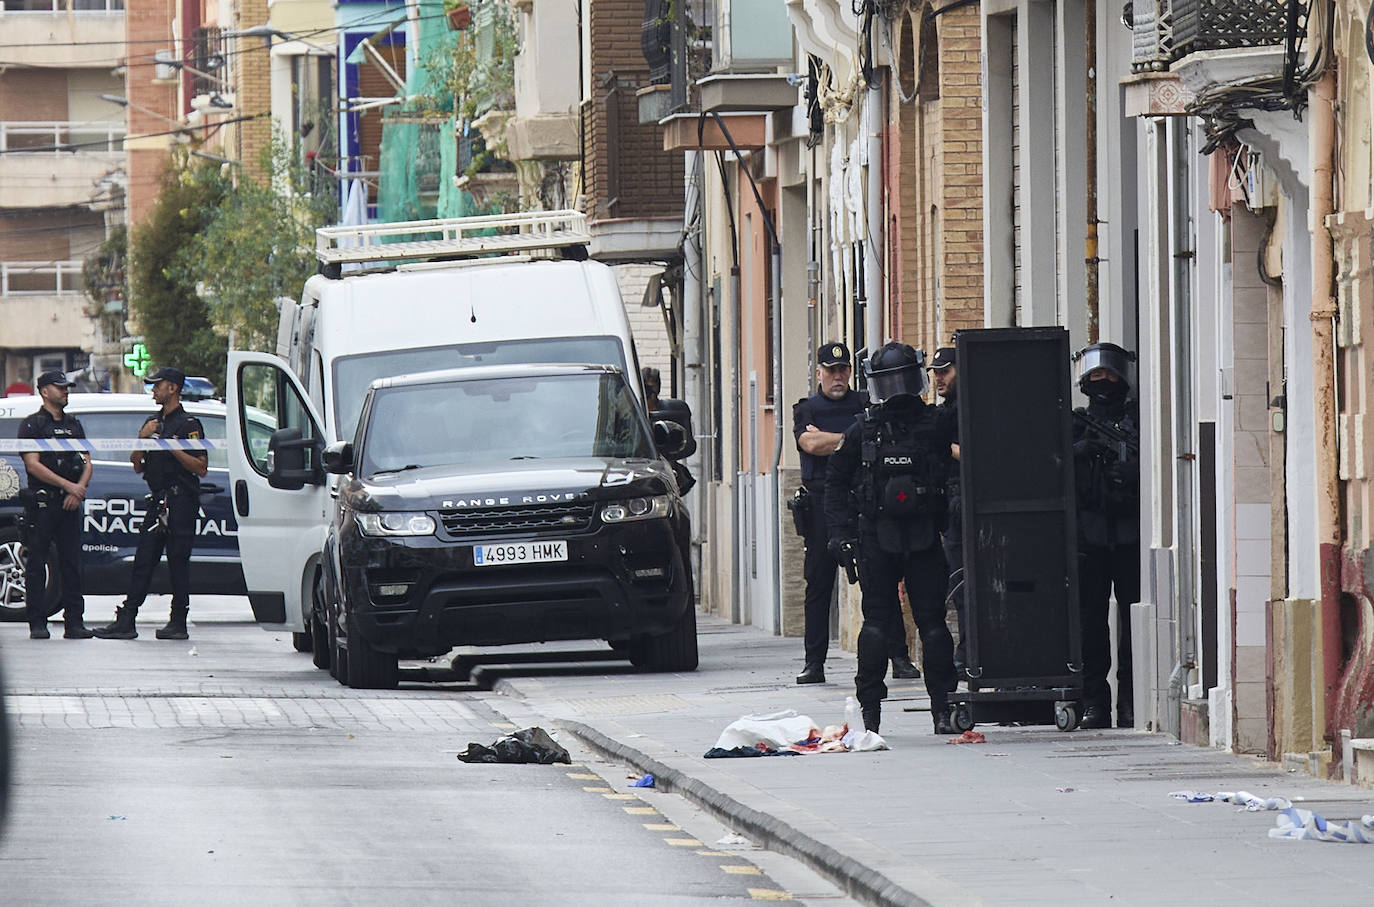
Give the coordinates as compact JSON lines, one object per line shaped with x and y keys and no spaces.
{"x":489,"y":521}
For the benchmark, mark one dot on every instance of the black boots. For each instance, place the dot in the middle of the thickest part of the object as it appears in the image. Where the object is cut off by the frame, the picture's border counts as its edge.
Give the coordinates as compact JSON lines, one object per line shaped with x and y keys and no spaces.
{"x":77,"y":630}
{"x":1095,"y":718}
{"x":903,"y":668}
{"x":873,"y":716}
{"x":39,"y":631}
{"x":814,"y":672}
{"x":176,"y":626}
{"x":122,"y":627}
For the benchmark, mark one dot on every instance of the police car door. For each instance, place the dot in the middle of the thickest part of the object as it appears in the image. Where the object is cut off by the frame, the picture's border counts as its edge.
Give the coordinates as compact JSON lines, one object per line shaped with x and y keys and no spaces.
{"x":282,"y":523}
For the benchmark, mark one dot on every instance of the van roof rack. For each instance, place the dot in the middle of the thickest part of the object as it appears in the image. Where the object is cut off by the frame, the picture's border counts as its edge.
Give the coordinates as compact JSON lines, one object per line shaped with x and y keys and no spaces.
{"x":428,"y":239}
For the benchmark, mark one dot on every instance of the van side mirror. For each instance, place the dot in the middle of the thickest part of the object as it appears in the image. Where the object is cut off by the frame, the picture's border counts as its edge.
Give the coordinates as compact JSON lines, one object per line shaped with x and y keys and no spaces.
{"x":338,"y":458}
{"x":679,"y":415}
{"x":286,"y":457}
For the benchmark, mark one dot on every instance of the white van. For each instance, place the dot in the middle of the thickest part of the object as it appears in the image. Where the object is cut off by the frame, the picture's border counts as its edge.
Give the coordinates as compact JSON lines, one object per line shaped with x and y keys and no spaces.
{"x":515,"y":289}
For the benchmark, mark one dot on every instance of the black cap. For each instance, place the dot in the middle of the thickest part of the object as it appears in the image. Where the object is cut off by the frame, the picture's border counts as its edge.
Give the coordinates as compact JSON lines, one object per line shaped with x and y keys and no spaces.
{"x":58,"y":378}
{"x":944,"y":358}
{"x":833,"y":353}
{"x":167,"y":373}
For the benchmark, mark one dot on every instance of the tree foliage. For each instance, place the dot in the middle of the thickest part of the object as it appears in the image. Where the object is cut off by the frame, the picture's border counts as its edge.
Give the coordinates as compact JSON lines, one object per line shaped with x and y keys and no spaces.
{"x":258,"y":245}
{"x":174,"y":320}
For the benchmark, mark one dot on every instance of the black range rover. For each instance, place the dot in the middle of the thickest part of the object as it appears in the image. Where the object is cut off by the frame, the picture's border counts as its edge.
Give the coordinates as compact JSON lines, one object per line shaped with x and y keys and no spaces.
{"x":506,"y":504}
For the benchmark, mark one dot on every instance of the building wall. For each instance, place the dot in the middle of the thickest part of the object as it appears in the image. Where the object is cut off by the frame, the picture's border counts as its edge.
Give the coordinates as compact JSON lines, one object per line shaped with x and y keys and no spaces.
{"x":254,"y":89}
{"x":960,"y":165}
{"x":149,"y":26}
{"x":33,"y":94}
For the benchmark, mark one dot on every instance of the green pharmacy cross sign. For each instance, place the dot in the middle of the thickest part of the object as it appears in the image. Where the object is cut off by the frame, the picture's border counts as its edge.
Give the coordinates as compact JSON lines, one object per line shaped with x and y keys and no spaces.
{"x":137,"y":359}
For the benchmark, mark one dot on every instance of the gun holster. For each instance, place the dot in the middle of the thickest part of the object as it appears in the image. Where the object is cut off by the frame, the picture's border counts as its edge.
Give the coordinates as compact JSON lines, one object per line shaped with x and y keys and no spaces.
{"x":800,"y":504}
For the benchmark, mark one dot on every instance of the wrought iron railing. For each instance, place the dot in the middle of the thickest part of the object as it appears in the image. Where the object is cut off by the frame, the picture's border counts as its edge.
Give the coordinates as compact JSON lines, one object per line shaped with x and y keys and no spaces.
{"x":1166,"y":30}
{"x":208,"y":61}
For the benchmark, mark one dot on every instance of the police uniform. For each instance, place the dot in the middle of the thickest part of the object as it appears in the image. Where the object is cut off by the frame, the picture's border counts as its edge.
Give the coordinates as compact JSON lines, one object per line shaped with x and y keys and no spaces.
{"x":894,"y":462}
{"x":49,"y":524}
{"x":954,"y":528}
{"x":819,"y":566}
{"x":170,"y":524}
{"x":1107,"y":486}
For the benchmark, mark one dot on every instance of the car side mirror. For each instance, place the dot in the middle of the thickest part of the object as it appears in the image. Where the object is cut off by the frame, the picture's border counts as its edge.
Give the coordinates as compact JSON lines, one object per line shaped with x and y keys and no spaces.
{"x":287,"y":469}
{"x":678,"y":414}
{"x":671,"y":440}
{"x":338,"y":458}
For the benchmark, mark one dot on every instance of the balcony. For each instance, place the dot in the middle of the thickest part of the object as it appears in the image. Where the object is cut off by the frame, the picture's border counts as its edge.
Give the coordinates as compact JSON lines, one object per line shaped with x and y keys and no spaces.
{"x":45,"y":307}
{"x":54,"y":278}
{"x":1164,"y":31}
{"x":42,"y":176}
{"x":87,"y":37}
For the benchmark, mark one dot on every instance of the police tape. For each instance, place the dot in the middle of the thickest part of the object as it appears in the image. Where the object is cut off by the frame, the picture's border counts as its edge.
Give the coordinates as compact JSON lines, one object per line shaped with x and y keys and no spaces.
{"x":48,"y":445}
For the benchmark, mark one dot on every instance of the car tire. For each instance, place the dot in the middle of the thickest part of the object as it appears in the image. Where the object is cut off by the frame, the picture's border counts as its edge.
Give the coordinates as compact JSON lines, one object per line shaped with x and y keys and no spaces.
{"x":369,"y":668}
{"x":338,"y":655}
{"x":300,"y":641}
{"x":675,"y":650}
{"x":13,"y":557}
{"x":319,"y":636}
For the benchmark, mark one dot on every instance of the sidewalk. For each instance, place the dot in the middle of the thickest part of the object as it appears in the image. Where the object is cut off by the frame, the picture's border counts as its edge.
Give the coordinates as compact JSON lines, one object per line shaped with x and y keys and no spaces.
{"x":1032,"y":816}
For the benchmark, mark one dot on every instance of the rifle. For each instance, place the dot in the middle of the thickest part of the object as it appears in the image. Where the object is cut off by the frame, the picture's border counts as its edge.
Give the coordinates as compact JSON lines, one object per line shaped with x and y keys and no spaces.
{"x":1108,"y":430}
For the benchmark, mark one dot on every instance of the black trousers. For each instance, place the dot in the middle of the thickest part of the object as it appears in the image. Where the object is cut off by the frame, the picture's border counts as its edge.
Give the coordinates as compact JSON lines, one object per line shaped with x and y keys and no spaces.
{"x":926,"y":582}
{"x":1102,"y":571}
{"x":819,"y":569}
{"x":954,"y":556}
{"x":176,"y":541}
{"x":49,"y":524}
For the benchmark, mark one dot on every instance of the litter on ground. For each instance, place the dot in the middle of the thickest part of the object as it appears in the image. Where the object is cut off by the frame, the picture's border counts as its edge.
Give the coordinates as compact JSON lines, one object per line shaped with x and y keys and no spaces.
{"x":531,"y":745}
{"x":786,"y":733}
{"x":1305,"y":825}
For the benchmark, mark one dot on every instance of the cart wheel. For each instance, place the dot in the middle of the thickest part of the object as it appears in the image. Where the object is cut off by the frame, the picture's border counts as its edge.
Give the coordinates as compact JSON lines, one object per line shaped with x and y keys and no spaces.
{"x":961,"y":716}
{"x":1066,"y":715}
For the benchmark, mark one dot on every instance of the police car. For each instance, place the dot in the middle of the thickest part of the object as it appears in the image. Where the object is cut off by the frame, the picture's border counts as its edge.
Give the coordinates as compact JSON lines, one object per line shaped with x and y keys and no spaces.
{"x":114,"y":509}
{"x":494,"y":505}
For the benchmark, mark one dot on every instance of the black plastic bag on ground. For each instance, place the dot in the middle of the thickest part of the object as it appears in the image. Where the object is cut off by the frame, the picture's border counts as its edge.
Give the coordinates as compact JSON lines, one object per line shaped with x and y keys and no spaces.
{"x":531,"y":745}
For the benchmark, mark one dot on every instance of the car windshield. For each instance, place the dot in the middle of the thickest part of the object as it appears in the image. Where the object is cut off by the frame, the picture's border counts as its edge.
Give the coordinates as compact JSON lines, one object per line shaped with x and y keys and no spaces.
{"x":352,"y":374}
{"x":501,"y":419}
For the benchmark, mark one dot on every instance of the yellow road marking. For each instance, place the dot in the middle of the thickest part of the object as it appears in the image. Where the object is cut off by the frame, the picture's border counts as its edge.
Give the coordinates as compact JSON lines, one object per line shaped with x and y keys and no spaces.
{"x":597,"y":790}
{"x":583,"y":776}
{"x":742,"y":870}
{"x":661,"y":826}
{"x":620,"y":796}
{"x":682,"y":842}
{"x":769,"y":894}
{"x":502,"y":724}
{"x":714,"y":853}
{"x":641,"y":810}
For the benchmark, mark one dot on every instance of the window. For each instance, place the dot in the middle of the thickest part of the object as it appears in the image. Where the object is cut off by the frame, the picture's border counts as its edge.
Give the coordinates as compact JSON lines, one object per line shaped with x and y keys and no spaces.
{"x":127,"y":424}
{"x":268,"y":402}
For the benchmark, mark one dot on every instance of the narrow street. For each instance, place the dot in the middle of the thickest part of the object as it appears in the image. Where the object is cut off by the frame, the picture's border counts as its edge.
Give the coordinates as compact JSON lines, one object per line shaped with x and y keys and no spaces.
{"x":228,"y":770}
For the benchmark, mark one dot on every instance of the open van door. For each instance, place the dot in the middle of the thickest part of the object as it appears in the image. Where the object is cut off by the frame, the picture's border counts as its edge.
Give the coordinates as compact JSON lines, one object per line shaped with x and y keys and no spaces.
{"x":281,"y":494}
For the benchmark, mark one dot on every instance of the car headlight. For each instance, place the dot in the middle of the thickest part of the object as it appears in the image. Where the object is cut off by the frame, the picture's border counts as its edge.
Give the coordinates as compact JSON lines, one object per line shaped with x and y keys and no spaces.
{"x":651,"y":508}
{"x":396,"y":522}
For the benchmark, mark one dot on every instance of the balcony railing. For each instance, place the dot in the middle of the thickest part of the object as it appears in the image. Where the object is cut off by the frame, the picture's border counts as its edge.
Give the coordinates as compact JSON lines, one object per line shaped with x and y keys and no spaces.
{"x":42,"y":135}
{"x":1167,"y":30}
{"x":61,"y":6}
{"x":54,"y":278}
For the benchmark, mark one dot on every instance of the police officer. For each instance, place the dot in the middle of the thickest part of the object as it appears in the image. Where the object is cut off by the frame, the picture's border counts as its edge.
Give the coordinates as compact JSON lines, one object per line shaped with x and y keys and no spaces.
{"x":1107,"y":481}
{"x":818,"y":423}
{"x":57,"y":486}
{"x":944,"y":376}
{"x":174,"y":478}
{"x":894,"y":462}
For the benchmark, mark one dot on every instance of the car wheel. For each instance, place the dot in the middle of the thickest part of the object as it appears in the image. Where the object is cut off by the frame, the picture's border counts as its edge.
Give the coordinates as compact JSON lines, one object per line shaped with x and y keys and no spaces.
{"x":675,"y":650}
{"x":319,"y":636}
{"x":13,"y":563}
{"x":338,"y":655}
{"x":301,"y":641}
{"x":369,"y":668}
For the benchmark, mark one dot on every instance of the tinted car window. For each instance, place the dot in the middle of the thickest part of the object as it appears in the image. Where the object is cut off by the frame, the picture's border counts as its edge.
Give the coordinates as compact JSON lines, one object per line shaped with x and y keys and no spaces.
{"x":459,"y":422}
{"x":127,"y":425}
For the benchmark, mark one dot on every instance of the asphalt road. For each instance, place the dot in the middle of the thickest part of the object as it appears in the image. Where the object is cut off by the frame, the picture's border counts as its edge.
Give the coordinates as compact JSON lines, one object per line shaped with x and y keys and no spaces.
{"x":228,"y":770}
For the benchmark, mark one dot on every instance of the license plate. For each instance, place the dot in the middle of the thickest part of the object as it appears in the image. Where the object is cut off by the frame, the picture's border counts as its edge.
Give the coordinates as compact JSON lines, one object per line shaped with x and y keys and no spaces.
{"x":518,"y":553}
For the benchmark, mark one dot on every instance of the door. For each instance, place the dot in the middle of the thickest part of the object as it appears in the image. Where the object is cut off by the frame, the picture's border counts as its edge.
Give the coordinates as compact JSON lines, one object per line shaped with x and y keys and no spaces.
{"x":281,"y":528}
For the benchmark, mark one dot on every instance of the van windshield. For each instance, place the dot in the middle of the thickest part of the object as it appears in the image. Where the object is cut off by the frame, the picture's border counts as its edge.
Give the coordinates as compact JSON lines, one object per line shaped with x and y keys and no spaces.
{"x":501,"y":419}
{"x":352,"y":374}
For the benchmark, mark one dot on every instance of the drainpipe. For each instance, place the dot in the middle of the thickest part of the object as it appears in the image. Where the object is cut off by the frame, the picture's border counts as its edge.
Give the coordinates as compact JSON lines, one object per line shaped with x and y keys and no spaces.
{"x":1090,"y":167}
{"x":694,"y":340}
{"x":1323,"y":316}
{"x":873,"y":246}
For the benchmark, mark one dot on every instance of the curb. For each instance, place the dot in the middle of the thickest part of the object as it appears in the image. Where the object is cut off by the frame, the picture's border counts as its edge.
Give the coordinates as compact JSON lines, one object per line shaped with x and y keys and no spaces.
{"x":852,"y":877}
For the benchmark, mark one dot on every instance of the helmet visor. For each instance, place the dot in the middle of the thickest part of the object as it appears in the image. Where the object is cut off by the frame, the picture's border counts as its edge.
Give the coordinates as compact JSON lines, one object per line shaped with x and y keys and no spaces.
{"x":1108,"y":357}
{"x":908,"y":380}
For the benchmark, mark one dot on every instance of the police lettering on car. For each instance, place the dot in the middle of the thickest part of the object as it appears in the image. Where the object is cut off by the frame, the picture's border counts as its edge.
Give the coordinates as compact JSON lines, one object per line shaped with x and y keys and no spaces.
{"x":57,"y":486}
{"x":173,"y":476}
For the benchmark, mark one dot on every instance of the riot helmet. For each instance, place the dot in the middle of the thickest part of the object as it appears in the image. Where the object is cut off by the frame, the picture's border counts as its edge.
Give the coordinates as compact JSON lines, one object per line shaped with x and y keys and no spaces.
{"x":896,"y":370}
{"x":1113,"y":359}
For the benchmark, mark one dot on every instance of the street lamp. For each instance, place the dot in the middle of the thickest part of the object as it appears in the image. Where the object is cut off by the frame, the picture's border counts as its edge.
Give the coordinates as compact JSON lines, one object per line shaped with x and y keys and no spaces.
{"x":125,"y":102}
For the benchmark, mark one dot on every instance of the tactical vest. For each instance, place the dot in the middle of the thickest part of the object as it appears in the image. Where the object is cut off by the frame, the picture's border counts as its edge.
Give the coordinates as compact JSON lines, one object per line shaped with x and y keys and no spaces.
{"x":903,"y":478}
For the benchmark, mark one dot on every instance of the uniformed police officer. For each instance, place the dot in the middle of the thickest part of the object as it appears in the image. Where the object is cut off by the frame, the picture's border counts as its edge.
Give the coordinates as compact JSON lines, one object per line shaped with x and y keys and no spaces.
{"x":895,"y":461}
{"x":818,"y":423}
{"x":57,"y":486}
{"x":945,"y":377}
{"x":174,"y":479}
{"x":1107,"y":479}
